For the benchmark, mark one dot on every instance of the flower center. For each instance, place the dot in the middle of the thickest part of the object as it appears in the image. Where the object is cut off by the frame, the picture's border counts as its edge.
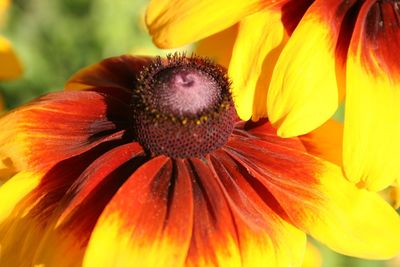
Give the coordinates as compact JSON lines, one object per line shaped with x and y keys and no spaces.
{"x":184,"y":91}
{"x":183,"y":107}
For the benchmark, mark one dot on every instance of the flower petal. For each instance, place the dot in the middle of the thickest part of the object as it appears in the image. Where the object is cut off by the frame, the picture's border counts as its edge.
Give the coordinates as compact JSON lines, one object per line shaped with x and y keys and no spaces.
{"x":325,"y":141}
{"x":148,"y":222}
{"x":372,"y":115}
{"x":179,"y":22}
{"x":260,"y":39}
{"x":319,"y":200}
{"x":219,"y":46}
{"x":115,"y":72}
{"x":40,"y":126}
{"x":10,"y":67}
{"x":95,"y":175}
{"x":304,"y":90}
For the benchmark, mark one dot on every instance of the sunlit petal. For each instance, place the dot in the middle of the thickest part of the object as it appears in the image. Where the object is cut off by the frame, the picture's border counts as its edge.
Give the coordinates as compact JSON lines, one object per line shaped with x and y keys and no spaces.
{"x":260,"y":39}
{"x":304,"y":90}
{"x":179,"y":22}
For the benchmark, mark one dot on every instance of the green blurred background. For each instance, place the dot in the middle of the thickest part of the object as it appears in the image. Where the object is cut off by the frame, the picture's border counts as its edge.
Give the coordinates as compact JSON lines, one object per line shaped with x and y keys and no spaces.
{"x":54,"y":39}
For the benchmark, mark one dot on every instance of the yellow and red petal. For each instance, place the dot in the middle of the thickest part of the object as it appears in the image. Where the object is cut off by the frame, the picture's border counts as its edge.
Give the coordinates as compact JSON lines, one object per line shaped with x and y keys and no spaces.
{"x":149,"y":220}
{"x":265,"y":238}
{"x":372,"y":115}
{"x":81,"y":205}
{"x":258,"y":44}
{"x":10,"y":67}
{"x":303,"y":93}
{"x":179,"y":22}
{"x":313,"y":195}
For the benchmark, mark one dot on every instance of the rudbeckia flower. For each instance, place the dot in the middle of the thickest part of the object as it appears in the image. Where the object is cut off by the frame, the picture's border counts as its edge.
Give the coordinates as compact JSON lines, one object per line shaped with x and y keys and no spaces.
{"x":335,"y":49}
{"x":143,"y":162}
{"x":10,"y":67}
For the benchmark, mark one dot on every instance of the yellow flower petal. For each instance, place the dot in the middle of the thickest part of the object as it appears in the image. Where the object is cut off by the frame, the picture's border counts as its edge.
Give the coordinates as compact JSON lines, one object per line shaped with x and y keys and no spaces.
{"x":353,"y":213}
{"x":219,"y":46}
{"x":304,"y":90}
{"x":372,"y":115}
{"x":10,"y":67}
{"x":14,"y":190}
{"x":325,"y":141}
{"x":260,"y":40}
{"x":312,"y":258}
{"x":4,"y":4}
{"x":179,"y":22}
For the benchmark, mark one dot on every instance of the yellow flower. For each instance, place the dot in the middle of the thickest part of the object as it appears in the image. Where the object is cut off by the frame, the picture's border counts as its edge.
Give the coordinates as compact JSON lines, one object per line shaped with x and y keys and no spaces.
{"x":335,"y":49}
{"x":10,"y":67}
{"x":123,"y":170}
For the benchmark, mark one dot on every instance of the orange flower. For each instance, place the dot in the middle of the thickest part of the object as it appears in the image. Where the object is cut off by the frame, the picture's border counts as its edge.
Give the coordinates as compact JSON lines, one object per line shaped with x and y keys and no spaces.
{"x":10,"y":67}
{"x":128,"y":172}
{"x":336,"y":48}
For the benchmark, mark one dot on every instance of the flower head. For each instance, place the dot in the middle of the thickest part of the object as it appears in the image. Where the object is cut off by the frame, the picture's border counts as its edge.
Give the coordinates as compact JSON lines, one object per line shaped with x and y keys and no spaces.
{"x":10,"y":67}
{"x":297,"y":60}
{"x":92,"y":177}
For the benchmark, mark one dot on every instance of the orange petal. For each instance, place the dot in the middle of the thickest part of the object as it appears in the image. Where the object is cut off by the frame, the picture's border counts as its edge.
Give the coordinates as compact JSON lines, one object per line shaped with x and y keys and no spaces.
{"x":10,"y":67}
{"x":179,"y":22}
{"x":372,"y":115}
{"x":40,"y":126}
{"x":325,"y":141}
{"x":313,"y":195}
{"x":259,"y":42}
{"x":304,"y":88}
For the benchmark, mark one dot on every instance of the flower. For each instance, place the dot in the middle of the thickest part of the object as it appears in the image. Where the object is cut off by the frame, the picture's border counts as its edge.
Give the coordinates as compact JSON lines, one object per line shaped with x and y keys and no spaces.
{"x":10,"y":67}
{"x":122,"y":170}
{"x":335,"y":49}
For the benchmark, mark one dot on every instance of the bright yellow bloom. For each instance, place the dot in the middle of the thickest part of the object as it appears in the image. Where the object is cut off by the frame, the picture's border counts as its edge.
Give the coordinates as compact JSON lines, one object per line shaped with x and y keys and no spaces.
{"x":336,"y":49}
{"x":122,"y":170}
{"x":10,"y":67}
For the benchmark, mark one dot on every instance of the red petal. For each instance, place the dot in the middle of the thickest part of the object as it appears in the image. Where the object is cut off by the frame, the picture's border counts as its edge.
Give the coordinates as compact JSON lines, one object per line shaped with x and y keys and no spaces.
{"x":115,"y":72}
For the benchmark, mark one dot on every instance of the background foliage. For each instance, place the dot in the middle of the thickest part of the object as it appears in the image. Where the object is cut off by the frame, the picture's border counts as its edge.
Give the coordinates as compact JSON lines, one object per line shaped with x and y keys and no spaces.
{"x":54,"y":39}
